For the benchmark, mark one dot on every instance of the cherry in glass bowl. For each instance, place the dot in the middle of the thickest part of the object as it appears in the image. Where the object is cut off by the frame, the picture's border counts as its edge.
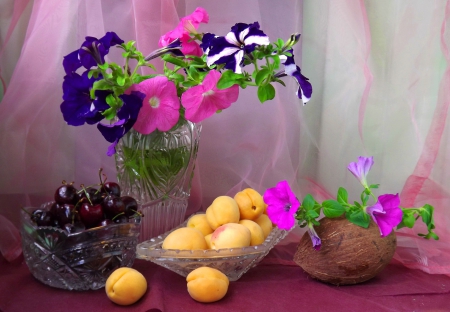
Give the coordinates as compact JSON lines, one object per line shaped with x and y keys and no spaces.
{"x":233,"y":262}
{"x":81,"y":260}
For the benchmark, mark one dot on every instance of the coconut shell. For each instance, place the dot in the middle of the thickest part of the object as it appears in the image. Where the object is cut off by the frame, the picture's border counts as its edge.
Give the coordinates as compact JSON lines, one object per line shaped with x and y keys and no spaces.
{"x":349,"y":254}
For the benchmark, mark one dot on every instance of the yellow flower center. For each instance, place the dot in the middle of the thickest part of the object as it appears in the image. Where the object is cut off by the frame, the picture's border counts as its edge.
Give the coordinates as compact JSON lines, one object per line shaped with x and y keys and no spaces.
{"x":154,"y":102}
{"x":208,"y":93}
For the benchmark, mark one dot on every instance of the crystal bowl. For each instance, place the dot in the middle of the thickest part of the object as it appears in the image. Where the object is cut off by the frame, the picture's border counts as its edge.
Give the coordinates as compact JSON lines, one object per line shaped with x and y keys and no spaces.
{"x":77,"y":261}
{"x":233,"y":262}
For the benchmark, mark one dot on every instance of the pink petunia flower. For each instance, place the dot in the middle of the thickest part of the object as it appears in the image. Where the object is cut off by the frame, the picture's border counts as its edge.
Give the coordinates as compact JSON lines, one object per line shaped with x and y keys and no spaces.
{"x":160,"y":107}
{"x":204,"y":100}
{"x":386,"y":213}
{"x":282,"y":205}
{"x":188,"y":24}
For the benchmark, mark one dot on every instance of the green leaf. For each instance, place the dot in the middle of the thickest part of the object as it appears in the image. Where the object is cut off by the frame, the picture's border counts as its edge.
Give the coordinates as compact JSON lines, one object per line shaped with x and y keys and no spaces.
{"x":332,"y":208}
{"x":359,"y":218}
{"x":312,"y":214}
{"x":120,"y":80}
{"x":342,"y":196}
{"x":173,"y":60}
{"x":266,"y":93}
{"x":228,"y":79}
{"x":138,"y":78}
{"x":261,"y":76}
{"x":408,"y":220}
{"x":427,"y":214}
{"x":193,"y":72}
{"x":110,"y":113}
{"x":374,"y":186}
{"x":308,"y":202}
{"x":276,"y":62}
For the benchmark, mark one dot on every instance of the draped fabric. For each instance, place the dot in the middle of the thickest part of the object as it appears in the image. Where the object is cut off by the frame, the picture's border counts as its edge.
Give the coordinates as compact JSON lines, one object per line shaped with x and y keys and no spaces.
{"x":381,"y":77}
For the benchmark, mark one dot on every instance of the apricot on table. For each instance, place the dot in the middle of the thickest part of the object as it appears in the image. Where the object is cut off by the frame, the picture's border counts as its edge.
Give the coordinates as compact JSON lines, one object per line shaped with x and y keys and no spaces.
{"x":230,"y":235}
{"x":125,"y":286}
{"x":206,"y":284}
{"x":185,"y":238}
{"x":222,"y":210}
{"x":251,"y":204}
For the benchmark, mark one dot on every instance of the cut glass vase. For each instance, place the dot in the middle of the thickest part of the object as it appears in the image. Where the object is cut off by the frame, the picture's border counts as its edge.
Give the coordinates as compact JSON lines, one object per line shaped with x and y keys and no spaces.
{"x":157,"y":169}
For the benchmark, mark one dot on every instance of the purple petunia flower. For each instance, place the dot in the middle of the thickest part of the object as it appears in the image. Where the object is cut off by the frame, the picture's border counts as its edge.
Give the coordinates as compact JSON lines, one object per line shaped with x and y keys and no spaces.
{"x":386,"y":213}
{"x":91,"y":53}
{"x":282,"y":205}
{"x":361,"y":168}
{"x":304,"y":90}
{"x":316,"y":241}
{"x":78,"y":108}
{"x":127,"y":116}
{"x":230,"y":50}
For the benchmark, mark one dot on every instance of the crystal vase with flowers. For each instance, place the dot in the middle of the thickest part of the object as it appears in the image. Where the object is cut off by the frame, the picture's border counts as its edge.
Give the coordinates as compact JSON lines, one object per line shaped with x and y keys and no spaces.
{"x":354,"y":241}
{"x":153,"y":121}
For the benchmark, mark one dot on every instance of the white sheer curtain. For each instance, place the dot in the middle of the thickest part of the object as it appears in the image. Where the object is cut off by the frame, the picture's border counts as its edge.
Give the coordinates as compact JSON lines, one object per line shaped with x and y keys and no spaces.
{"x":380,"y":73}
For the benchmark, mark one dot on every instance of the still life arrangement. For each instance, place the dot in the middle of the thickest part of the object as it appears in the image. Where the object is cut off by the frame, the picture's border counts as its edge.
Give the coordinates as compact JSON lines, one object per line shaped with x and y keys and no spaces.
{"x":354,"y":241}
{"x":153,"y":121}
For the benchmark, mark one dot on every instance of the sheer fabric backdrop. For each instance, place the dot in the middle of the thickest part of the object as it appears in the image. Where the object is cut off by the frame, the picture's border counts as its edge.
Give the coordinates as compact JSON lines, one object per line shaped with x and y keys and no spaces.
{"x":381,"y":79}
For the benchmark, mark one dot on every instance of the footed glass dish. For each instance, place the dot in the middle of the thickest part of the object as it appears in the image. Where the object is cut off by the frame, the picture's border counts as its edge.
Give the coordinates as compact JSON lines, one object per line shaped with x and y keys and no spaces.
{"x":77,"y":261}
{"x":233,"y":262}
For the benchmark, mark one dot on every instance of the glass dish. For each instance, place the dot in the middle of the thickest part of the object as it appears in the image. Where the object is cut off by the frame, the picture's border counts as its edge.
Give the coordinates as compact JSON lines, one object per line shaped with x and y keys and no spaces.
{"x":233,"y":262}
{"x":77,"y":261}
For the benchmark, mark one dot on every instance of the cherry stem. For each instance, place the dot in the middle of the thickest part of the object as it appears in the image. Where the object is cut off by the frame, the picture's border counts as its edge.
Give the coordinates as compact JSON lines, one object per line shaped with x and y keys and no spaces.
{"x":122,"y":213}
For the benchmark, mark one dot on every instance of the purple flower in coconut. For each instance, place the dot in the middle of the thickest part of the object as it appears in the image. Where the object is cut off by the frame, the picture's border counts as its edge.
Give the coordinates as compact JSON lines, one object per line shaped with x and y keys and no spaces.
{"x":304,"y":90}
{"x":91,"y":53}
{"x":316,"y":241}
{"x":127,"y":116}
{"x":282,"y":205}
{"x":230,"y":49}
{"x":361,"y":168}
{"x":386,"y":213}
{"x":78,"y":108}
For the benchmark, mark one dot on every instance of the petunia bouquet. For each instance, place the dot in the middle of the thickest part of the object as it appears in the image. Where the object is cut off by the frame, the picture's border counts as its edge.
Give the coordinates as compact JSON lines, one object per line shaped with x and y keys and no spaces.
{"x":284,"y":209}
{"x":202,"y":75}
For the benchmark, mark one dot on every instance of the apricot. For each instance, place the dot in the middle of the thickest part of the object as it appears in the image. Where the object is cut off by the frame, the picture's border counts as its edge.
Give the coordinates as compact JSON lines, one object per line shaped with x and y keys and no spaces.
{"x":208,"y":240}
{"x":200,"y":223}
{"x":222,"y":210}
{"x":251,"y":204}
{"x":185,"y":238}
{"x":265,"y":223}
{"x":256,"y":232}
{"x":206,"y":284}
{"x":230,"y":235}
{"x":125,"y":286}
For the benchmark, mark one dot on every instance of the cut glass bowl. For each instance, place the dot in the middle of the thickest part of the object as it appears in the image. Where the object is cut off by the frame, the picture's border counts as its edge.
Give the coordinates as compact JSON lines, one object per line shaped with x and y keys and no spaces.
{"x":233,"y":262}
{"x":77,"y":261}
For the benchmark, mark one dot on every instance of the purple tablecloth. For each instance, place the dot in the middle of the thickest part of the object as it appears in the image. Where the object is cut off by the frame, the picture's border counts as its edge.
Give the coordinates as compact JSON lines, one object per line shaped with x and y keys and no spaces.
{"x":276,"y":284}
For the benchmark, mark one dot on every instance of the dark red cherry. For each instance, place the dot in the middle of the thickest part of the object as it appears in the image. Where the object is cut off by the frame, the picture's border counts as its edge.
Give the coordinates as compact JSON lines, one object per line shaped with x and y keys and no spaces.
{"x":42,"y":217}
{"x":66,"y":194}
{"x":111,"y":188}
{"x":91,"y":215}
{"x":112,"y":206}
{"x":95,"y":195}
{"x":66,"y":214}
{"x":131,"y":205}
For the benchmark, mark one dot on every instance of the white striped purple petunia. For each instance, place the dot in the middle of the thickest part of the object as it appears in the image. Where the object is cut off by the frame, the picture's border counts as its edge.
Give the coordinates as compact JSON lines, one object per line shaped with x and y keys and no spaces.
{"x":231,"y":49}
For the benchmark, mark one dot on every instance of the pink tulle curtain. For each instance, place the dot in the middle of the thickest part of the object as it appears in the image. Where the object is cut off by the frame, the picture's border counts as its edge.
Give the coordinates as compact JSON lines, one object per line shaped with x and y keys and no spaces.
{"x":380,"y":73}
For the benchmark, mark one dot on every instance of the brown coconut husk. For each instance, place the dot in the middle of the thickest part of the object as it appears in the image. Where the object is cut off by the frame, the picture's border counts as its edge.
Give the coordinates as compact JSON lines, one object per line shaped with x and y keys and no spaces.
{"x":349,"y":254}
